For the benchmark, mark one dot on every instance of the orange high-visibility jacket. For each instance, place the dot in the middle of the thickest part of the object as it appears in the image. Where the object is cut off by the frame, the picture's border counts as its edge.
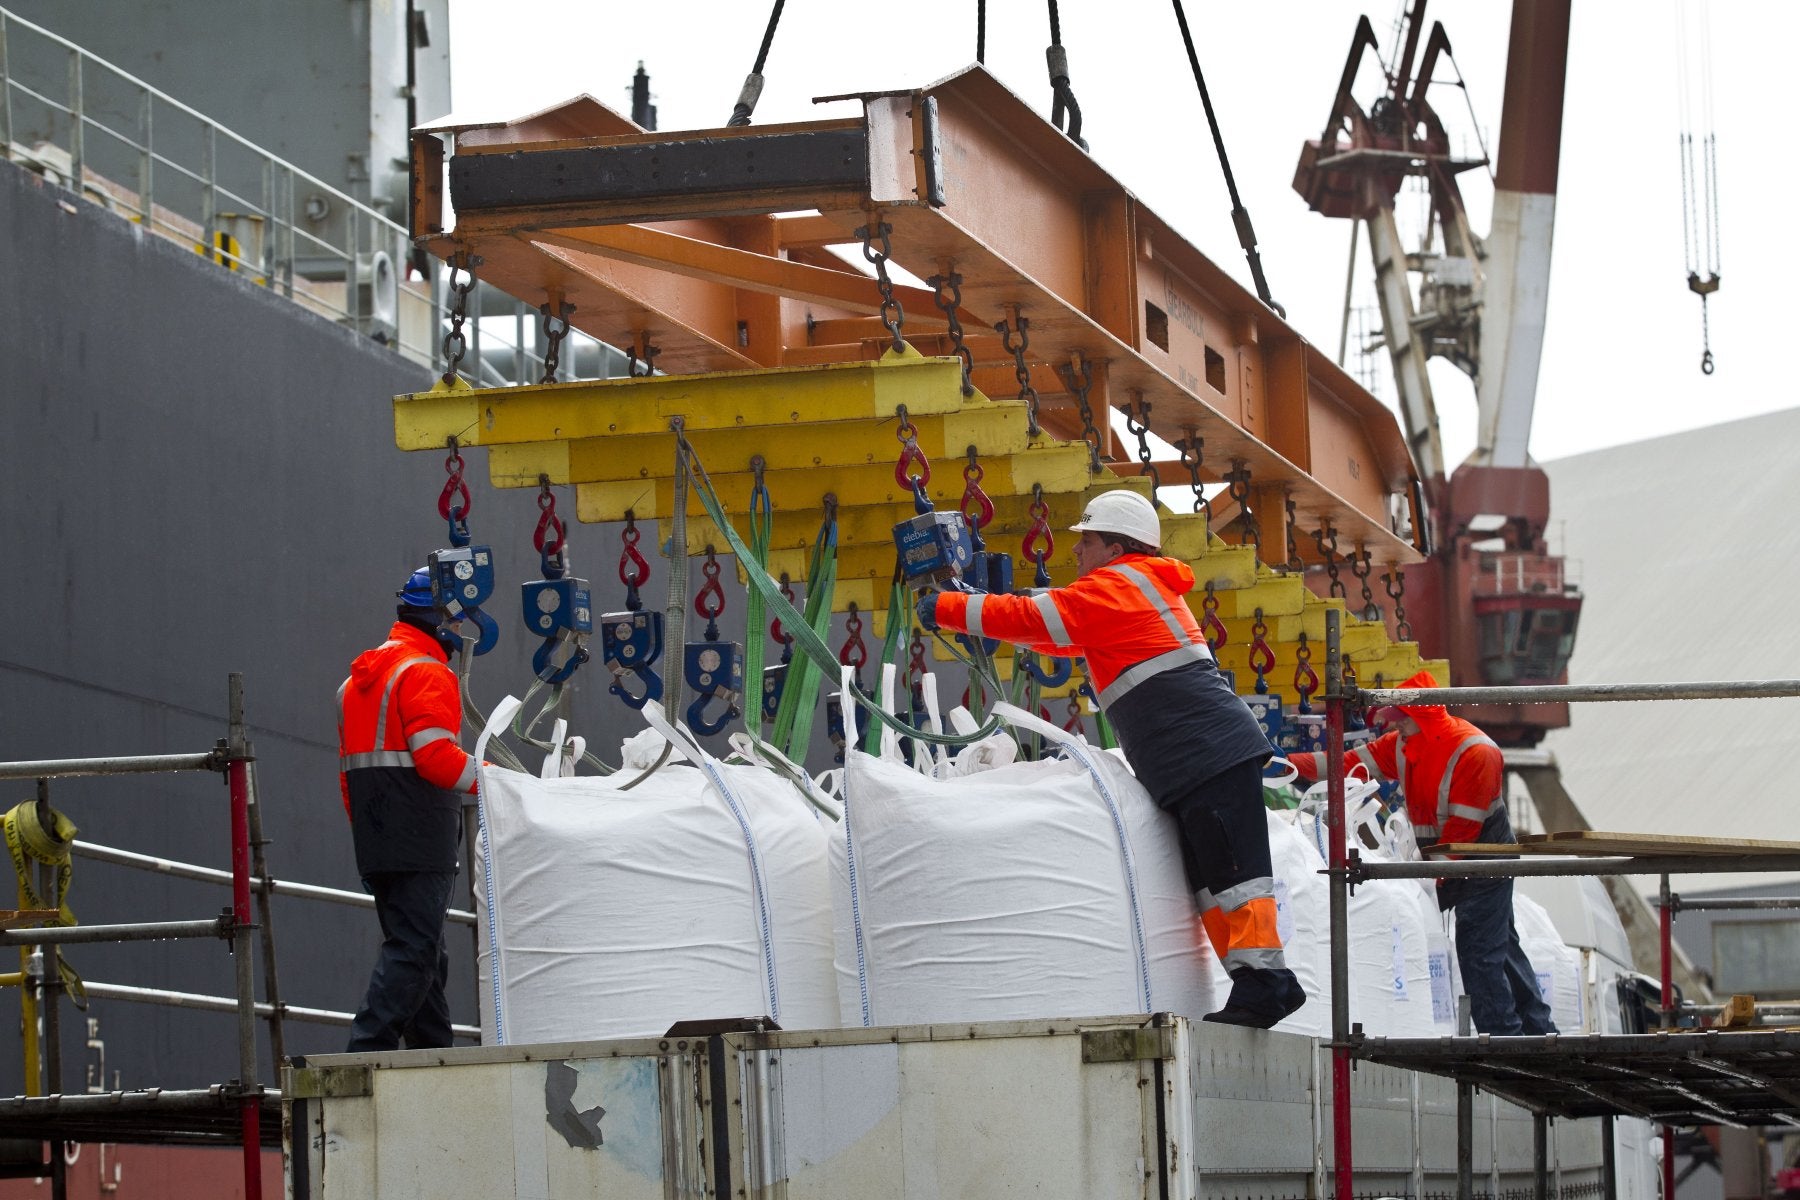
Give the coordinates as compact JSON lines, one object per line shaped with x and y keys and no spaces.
{"x":399,"y":762}
{"x":1127,"y":619}
{"x":1450,"y":772}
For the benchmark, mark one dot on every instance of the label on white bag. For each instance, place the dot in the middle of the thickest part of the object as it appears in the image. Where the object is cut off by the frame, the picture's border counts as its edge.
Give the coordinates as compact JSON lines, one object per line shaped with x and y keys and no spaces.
{"x":1443,"y":998}
{"x":1284,"y":911}
{"x":1399,"y":962}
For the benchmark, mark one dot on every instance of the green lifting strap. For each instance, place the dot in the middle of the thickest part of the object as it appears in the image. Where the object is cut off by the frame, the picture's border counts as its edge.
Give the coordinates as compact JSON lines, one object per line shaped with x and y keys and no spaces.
{"x":807,"y":636}
{"x":799,"y":694}
{"x":762,"y":522}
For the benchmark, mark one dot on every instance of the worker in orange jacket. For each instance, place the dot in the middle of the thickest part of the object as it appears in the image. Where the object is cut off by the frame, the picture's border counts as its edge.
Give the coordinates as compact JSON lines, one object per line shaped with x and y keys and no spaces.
{"x":1451,"y":776}
{"x":403,"y":775}
{"x":1194,"y":745}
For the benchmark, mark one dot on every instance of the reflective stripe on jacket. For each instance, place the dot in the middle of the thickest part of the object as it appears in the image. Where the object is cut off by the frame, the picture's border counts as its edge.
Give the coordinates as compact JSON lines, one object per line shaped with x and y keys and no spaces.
{"x":1127,"y":619}
{"x":399,"y":764}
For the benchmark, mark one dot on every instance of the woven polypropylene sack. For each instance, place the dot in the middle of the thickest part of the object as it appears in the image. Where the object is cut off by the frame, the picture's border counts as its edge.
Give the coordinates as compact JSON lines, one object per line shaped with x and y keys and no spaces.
{"x":1032,"y":890}
{"x":617,"y":913}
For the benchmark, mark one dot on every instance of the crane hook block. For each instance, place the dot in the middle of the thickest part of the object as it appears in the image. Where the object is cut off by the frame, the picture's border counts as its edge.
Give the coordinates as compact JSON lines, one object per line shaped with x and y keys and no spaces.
{"x":1054,"y":675}
{"x":834,"y":725}
{"x":555,"y":605}
{"x":934,"y":547}
{"x":462,"y":578}
{"x":629,"y":643}
{"x":773,"y":681}
{"x":715,"y":670}
{"x":992,"y":571}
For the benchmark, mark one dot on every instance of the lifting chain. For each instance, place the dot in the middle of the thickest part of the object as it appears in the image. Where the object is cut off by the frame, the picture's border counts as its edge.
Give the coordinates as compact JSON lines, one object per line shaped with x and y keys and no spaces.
{"x":1361,"y":568}
{"x":1192,"y":447}
{"x":633,"y":569}
{"x":1237,"y":486}
{"x":556,"y":328}
{"x":1306,"y":680}
{"x":1040,"y":542}
{"x":1326,"y":539}
{"x":775,"y":629}
{"x":1262,"y":657}
{"x":912,"y":470}
{"x":976,"y":506}
{"x":1294,"y":562}
{"x":1137,"y":421}
{"x":1079,"y":386}
{"x":709,"y":602}
{"x":916,"y":669}
{"x":854,"y":653}
{"x":1021,"y":371}
{"x":453,"y":501}
{"x":550,"y":538}
{"x":1210,"y":625}
{"x":1395,"y":582}
{"x":462,"y":282}
{"x":1073,"y":723}
{"x":946,"y":292}
{"x":643,"y":351}
{"x":891,"y":313}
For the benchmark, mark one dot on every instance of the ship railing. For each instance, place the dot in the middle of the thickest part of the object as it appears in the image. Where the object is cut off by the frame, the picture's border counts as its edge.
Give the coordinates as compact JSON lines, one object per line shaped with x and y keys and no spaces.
{"x":106,"y":135}
{"x":1347,"y":868}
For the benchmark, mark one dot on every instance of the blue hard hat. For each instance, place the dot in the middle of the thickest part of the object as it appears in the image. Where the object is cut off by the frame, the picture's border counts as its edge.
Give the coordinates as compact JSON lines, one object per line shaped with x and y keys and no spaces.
{"x":417,"y":592}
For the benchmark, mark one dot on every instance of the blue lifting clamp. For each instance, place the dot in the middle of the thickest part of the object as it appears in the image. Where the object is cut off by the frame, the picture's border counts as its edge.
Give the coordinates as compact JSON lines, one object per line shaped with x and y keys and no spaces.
{"x":773,"y":681}
{"x":558,"y":610}
{"x":715,"y":670}
{"x":630,"y":642}
{"x":934,"y":547}
{"x":834,"y":725}
{"x":1052,"y":676}
{"x":461,"y":579}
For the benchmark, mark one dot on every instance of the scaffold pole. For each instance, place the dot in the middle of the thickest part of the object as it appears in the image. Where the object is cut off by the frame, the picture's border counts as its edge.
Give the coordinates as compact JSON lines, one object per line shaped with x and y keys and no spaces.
{"x":1340,"y":913}
{"x":238,"y":777}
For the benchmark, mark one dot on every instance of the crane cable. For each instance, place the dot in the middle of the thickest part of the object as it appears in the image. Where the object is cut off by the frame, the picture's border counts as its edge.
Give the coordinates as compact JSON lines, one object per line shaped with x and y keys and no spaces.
{"x":1699,"y":173}
{"x":1240,"y":217}
{"x":1062,"y":102}
{"x":753,"y":82}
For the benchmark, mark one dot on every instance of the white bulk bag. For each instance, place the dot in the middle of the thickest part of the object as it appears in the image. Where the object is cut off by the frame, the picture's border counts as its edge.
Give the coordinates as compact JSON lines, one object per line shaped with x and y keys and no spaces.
{"x":702,"y":892}
{"x":1558,"y":966}
{"x":1029,"y":890}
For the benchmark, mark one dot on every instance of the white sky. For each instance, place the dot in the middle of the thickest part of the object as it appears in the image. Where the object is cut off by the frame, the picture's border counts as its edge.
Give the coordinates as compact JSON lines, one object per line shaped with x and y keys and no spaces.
{"x":1622,"y":352}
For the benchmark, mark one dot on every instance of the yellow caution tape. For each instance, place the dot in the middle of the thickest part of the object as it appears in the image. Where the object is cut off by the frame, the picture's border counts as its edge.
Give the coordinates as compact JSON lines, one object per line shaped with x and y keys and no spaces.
{"x":29,"y":839}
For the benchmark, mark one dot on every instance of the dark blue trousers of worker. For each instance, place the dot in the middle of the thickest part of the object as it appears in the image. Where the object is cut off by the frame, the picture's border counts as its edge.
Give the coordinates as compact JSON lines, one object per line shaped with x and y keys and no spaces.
{"x":1501,"y":983}
{"x":405,"y":1002}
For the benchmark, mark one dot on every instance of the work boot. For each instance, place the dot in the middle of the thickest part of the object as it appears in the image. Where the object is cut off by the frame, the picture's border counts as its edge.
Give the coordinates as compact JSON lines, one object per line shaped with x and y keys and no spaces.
{"x":1260,"y":998}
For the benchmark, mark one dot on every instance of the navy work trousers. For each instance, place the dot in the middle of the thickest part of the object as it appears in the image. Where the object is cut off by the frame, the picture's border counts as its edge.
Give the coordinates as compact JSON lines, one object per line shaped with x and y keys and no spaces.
{"x":405,"y":1001}
{"x":1501,"y":983}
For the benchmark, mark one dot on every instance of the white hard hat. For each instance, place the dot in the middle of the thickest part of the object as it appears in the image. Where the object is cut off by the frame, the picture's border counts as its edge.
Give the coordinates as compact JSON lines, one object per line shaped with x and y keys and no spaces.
{"x":1122,"y":512}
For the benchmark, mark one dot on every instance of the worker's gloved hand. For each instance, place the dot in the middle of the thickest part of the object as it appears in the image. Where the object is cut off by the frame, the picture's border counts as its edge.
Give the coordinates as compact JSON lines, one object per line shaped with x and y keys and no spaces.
{"x":927,"y":610}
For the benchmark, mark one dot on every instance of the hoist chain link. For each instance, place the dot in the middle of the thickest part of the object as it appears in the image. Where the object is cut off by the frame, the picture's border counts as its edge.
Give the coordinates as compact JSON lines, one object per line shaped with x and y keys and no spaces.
{"x":1306,"y":680}
{"x":550,"y":538}
{"x":1395,"y":582}
{"x":855,"y":653}
{"x":462,"y":282}
{"x":1040,"y":542}
{"x":1137,"y":421}
{"x":556,"y":328}
{"x":1192,"y":447}
{"x":915,"y":659}
{"x":634,"y":569}
{"x":775,"y":630}
{"x":1361,"y":567}
{"x":892,"y":315}
{"x":1073,"y":723}
{"x":1210,"y":625}
{"x":1325,"y":537}
{"x":453,"y":502}
{"x":977,"y":506}
{"x":709,"y":602}
{"x":912,"y":470}
{"x":1294,"y":562}
{"x":946,"y":293}
{"x":1237,"y":486}
{"x":1262,"y":656}
{"x":1021,"y":371}
{"x":1079,"y":386}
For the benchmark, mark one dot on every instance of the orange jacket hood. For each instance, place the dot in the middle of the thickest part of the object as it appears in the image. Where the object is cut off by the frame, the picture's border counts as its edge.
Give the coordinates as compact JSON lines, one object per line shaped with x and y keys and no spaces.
{"x":369,"y":670}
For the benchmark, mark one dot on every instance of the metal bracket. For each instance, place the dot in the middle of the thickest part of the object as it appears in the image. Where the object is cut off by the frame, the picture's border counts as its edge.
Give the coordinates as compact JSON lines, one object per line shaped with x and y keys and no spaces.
{"x":1141,"y":1044}
{"x":330,"y":1083}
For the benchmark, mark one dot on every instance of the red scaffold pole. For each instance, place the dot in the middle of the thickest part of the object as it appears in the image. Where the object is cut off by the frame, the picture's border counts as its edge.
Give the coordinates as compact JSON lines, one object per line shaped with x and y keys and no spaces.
{"x":238,"y":778}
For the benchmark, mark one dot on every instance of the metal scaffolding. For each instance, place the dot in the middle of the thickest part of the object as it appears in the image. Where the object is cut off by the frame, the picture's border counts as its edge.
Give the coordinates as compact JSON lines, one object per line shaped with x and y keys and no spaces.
{"x":1749,"y":1076}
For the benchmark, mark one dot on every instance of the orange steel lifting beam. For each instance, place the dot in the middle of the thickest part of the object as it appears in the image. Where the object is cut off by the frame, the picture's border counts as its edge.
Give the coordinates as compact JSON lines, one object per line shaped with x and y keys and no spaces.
{"x":711,"y":245}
